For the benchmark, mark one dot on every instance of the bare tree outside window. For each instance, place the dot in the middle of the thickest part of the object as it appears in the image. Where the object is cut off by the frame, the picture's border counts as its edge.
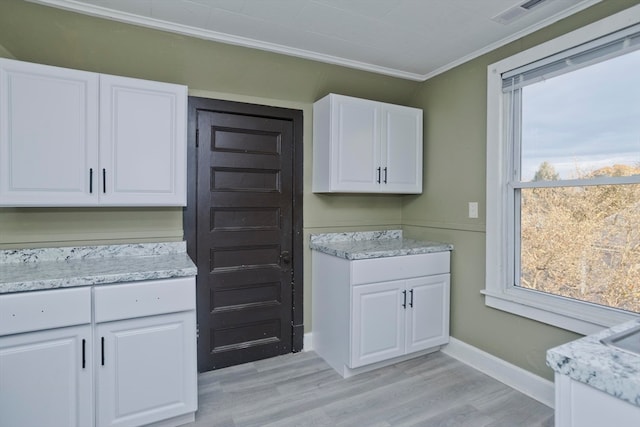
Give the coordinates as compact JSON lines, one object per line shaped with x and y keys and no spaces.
{"x":583,"y":242}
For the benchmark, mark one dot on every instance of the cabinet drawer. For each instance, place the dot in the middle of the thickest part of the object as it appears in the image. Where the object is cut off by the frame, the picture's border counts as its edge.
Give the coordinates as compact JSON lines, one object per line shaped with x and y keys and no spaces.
{"x":399,"y":267}
{"x":146,"y":298}
{"x":38,"y":310}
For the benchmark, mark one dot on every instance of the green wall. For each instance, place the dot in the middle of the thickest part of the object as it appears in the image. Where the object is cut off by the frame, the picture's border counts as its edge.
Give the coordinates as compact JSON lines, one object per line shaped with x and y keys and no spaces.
{"x":36,"y":33}
{"x":455,"y":173}
{"x":455,"y":128}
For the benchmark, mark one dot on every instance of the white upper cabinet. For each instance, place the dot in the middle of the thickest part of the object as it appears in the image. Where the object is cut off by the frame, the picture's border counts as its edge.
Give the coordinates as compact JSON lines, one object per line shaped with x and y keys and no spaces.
{"x":142,"y":142}
{"x":362,"y":146}
{"x":75,"y":138}
{"x":401,"y":148}
{"x":48,"y":135}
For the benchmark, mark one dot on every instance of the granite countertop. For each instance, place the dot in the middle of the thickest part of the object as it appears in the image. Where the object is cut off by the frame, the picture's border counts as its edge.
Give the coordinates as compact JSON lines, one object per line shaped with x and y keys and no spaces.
{"x":606,"y":368}
{"x":373,"y":244}
{"x":49,"y":268}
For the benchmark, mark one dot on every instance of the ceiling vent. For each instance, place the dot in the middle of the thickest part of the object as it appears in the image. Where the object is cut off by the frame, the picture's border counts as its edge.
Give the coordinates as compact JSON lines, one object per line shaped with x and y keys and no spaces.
{"x":517,"y":11}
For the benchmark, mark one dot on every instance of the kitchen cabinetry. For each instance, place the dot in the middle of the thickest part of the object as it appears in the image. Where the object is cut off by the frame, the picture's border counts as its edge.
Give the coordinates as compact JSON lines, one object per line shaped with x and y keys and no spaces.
{"x":142,"y":142}
{"x":370,"y":312}
{"x":146,"y":348}
{"x":45,"y":359}
{"x":579,"y":405}
{"x":75,"y":138}
{"x":363,"y":146}
{"x":597,"y":378}
{"x":45,"y":378}
{"x":391,"y":319}
{"x":140,"y":348}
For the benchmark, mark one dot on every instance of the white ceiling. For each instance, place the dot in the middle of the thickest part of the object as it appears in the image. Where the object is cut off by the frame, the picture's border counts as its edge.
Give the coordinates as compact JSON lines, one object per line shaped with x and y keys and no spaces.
{"x":412,"y":39}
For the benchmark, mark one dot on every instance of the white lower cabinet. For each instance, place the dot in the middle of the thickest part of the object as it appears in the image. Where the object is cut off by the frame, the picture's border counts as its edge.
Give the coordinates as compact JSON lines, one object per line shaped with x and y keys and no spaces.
{"x":145,"y":371}
{"x":378,"y":323}
{"x":46,"y":378}
{"x":140,"y":348}
{"x":375,"y":311}
{"x":580,"y":405}
{"x":428,"y":312}
{"x":392,"y":319}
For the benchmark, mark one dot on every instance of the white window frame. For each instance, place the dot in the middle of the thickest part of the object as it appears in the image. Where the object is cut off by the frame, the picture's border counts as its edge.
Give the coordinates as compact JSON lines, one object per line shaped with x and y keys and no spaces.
{"x":500,"y":292}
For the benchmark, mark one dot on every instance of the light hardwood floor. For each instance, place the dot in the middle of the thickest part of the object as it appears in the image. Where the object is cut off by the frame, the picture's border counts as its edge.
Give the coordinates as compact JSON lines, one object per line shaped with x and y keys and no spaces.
{"x":302,"y":390}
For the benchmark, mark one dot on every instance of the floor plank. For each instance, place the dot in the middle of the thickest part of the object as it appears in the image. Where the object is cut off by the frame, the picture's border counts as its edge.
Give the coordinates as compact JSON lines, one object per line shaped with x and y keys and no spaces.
{"x":301,"y":390}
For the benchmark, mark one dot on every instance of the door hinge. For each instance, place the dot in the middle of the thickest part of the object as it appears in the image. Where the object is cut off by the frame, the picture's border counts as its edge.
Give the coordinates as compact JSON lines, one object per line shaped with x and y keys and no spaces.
{"x":197,"y":137}
{"x":197,"y":331}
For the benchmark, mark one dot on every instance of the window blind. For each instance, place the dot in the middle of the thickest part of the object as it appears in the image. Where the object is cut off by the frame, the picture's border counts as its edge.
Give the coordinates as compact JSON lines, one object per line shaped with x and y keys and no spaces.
{"x":598,"y":50}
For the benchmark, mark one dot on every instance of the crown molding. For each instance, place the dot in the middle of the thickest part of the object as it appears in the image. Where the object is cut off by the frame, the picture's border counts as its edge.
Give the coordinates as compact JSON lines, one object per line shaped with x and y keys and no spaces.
{"x":125,"y":17}
{"x":515,"y":36}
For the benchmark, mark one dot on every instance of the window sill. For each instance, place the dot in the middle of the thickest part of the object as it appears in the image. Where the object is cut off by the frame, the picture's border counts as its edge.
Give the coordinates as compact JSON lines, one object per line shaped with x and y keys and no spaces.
{"x":572,"y":315}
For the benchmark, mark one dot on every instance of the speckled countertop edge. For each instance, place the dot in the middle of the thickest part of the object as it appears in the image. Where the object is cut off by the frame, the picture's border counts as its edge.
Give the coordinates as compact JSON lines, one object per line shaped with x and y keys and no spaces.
{"x":372,"y":244}
{"x":51,"y":268}
{"x":609,"y":369}
{"x":10,"y":256}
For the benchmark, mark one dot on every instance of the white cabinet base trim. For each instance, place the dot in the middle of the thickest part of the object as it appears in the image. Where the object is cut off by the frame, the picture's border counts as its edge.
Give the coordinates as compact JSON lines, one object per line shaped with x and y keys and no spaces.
{"x":515,"y":377}
{"x":175,"y":421}
{"x":307,"y":342}
{"x":349,"y":372}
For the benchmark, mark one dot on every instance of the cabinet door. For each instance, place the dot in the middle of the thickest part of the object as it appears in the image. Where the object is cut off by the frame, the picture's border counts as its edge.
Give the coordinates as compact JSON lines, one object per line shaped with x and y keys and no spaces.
{"x":146,"y":369}
{"x":46,"y":378}
{"x":580,"y":405}
{"x":355,"y":139}
{"x":142,"y":142}
{"x":48,"y":135}
{"x":378,"y":322}
{"x":427,"y":312}
{"x":401,"y":149}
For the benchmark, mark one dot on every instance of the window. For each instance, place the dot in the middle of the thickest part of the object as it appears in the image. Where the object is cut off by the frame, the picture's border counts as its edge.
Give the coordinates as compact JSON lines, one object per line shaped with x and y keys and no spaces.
{"x":563,"y":178}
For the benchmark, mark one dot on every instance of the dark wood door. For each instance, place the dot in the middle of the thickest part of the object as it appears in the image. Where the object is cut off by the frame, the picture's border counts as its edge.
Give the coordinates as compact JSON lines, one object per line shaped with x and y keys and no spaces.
{"x":247,"y":232}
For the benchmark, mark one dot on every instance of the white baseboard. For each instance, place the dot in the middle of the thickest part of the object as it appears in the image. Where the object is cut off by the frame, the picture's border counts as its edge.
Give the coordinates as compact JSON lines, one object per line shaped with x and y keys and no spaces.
{"x":307,"y":342}
{"x":515,"y":377}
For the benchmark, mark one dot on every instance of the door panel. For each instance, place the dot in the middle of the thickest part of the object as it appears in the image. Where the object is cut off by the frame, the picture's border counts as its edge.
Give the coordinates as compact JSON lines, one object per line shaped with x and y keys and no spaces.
{"x":244,"y":225}
{"x":50,"y":370}
{"x":357,"y":140}
{"x":142,"y":152}
{"x":145,"y":369}
{"x":402,"y":149}
{"x":429,"y":311}
{"x":48,"y":135}
{"x":378,"y":322}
